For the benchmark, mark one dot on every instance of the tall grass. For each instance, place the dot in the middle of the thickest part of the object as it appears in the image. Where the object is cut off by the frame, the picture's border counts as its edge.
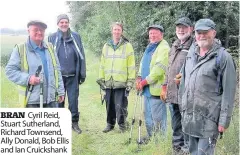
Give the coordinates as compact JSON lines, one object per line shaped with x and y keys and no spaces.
{"x":93,"y":120}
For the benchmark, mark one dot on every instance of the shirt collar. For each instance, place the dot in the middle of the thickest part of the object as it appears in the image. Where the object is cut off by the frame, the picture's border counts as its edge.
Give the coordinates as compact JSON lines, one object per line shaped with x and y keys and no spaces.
{"x":35,"y":47}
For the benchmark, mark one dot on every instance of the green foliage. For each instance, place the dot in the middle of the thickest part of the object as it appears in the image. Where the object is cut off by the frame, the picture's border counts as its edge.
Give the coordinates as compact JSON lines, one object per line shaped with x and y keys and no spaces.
{"x":93,"y":19}
{"x":93,"y":120}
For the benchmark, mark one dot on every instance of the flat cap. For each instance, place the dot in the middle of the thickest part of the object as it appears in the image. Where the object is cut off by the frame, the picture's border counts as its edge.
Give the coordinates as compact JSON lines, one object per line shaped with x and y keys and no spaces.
{"x":184,"y":21}
{"x":205,"y":24}
{"x":37,"y":22}
{"x":156,"y":27}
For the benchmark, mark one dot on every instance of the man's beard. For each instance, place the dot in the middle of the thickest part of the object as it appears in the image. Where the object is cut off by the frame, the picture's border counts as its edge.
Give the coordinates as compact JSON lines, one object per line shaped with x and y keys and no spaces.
{"x":183,"y":37}
{"x":204,"y":43}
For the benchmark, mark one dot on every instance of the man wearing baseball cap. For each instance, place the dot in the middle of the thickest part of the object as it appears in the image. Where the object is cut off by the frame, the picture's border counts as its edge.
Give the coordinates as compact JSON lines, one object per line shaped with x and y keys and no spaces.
{"x":209,"y":86}
{"x":69,"y":49}
{"x":169,"y":92}
{"x":150,"y":78}
{"x":29,"y":57}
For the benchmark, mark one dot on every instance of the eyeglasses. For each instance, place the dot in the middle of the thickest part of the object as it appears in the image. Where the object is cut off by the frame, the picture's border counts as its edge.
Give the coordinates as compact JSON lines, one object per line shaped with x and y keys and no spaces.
{"x":37,"y":29}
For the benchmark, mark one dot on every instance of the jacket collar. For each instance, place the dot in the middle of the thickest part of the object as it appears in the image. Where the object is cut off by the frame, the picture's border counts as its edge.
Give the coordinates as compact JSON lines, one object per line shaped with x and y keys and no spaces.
{"x":186,"y":45}
{"x":122,"y":41}
{"x":32,"y":46}
{"x":60,"y":33}
{"x":212,"y":51}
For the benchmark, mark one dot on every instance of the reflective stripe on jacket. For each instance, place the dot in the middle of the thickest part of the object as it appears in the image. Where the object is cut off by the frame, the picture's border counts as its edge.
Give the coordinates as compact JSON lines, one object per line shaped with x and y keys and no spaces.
{"x":117,"y":67}
{"x":158,"y":68}
{"x":23,"y":63}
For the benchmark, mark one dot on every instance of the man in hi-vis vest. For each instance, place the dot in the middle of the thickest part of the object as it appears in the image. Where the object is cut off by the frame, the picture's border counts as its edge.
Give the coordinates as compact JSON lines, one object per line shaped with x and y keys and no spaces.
{"x":34,"y":62}
{"x":116,"y":77}
{"x":151,"y":76}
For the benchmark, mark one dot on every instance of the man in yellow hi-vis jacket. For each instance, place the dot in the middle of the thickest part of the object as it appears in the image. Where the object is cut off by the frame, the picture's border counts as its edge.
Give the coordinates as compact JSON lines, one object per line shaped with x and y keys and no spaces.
{"x":150,"y":79}
{"x":26,"y":59}
{"x":116,"y":77}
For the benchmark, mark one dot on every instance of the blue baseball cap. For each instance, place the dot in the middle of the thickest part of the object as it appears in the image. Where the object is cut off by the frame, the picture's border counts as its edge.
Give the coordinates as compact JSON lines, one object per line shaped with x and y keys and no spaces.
{"x":205,"y":24}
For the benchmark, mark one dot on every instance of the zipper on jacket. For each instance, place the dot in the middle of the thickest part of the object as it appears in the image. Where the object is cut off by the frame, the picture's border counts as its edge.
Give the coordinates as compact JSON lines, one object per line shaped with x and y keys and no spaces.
{"x":65,"y":50}
{"x":64,"y":44}
{"x":112,"y":68}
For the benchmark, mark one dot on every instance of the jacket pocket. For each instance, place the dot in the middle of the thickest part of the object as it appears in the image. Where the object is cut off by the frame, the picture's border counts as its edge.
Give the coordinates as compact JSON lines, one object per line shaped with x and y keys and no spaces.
{"x":208,"y":108}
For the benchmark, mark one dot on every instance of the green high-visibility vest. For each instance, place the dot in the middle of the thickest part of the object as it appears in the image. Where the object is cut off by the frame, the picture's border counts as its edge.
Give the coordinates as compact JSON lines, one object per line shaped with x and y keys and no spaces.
{"x":158,"y":67}
{"x":22,"y":90}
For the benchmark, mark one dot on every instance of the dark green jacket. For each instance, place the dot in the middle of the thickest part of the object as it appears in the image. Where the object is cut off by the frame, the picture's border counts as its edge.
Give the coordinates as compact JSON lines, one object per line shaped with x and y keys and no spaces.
{"x":203,"y":107}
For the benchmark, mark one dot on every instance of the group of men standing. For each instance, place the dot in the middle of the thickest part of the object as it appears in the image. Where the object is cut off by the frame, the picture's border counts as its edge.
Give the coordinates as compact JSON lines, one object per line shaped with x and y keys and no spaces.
{"x":196,"y":76}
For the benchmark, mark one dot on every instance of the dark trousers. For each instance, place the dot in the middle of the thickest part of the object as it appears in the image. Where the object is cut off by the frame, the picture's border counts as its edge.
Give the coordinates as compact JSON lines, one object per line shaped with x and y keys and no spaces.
{"x":116,"y":105}
{"x":202,"y":146}
{"x":49,"y":105}
{"x":72,"y":88}
{"x":179,"y":139}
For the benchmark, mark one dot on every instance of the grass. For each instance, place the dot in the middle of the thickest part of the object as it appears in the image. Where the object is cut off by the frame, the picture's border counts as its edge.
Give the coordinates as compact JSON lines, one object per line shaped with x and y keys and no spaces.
{"x":8,"y":42}
{"x":93,"y":120}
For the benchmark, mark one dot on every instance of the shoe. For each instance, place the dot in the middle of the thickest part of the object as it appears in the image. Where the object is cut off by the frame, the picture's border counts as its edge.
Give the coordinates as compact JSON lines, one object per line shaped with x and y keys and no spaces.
{"x":76,"y":128}
{"x":107,"y":129}
{"x":122,"y":129}
{"x":179,"y":151}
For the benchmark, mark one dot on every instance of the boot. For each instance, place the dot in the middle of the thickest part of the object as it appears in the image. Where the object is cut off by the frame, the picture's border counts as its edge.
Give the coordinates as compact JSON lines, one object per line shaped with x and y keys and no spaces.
{"x":122,"y":128}
{"x":107,"y":129}
{"x":76,"y":128}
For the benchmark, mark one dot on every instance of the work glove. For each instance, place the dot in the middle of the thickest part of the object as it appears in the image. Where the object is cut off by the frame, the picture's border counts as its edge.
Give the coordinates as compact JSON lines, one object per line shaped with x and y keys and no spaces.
{"x":163,"y":93}
{"x":142,"y":84}
{"x":177,"y":79}
{"x":139,"y":79}
{"x":101,"y":84}
{"x":81,"y":81}
{"x":128,"y":88}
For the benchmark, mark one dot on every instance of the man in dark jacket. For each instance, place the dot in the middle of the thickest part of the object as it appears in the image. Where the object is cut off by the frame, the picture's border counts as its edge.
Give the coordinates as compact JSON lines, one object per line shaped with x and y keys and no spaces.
{"x":177,"y":56}
{"x":207,"y":90}
{"x":68,"y":46}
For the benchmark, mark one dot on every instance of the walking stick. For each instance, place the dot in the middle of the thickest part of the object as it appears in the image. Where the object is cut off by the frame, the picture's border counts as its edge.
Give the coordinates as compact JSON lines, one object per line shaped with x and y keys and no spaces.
{"x":39,"y":69}
{"x":133,"y":118}
{"x":140,"y":118}
{"x":41,"y":90}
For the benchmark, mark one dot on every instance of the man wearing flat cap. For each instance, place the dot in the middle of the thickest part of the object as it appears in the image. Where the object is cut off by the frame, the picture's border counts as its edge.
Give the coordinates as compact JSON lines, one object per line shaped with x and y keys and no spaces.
{"x":69,"y":49}
{"x":151,"y":76}
{"x":207,"y":90}
{"x":169,"y":92}
{"x":31,"y":59}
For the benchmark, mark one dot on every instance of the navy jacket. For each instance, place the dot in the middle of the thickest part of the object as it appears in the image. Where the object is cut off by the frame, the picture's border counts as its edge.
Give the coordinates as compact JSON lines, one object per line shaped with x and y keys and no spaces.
{"x":55,"y":39}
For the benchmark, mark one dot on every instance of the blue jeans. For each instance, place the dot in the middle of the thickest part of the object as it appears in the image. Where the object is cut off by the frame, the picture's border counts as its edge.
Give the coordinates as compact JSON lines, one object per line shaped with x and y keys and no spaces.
{"x":155,"y":114}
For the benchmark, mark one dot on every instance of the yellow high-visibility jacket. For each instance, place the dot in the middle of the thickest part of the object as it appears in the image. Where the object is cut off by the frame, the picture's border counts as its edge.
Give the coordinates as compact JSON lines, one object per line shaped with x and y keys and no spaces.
{"x":117,"y":67}
{"x":158,"y":67}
